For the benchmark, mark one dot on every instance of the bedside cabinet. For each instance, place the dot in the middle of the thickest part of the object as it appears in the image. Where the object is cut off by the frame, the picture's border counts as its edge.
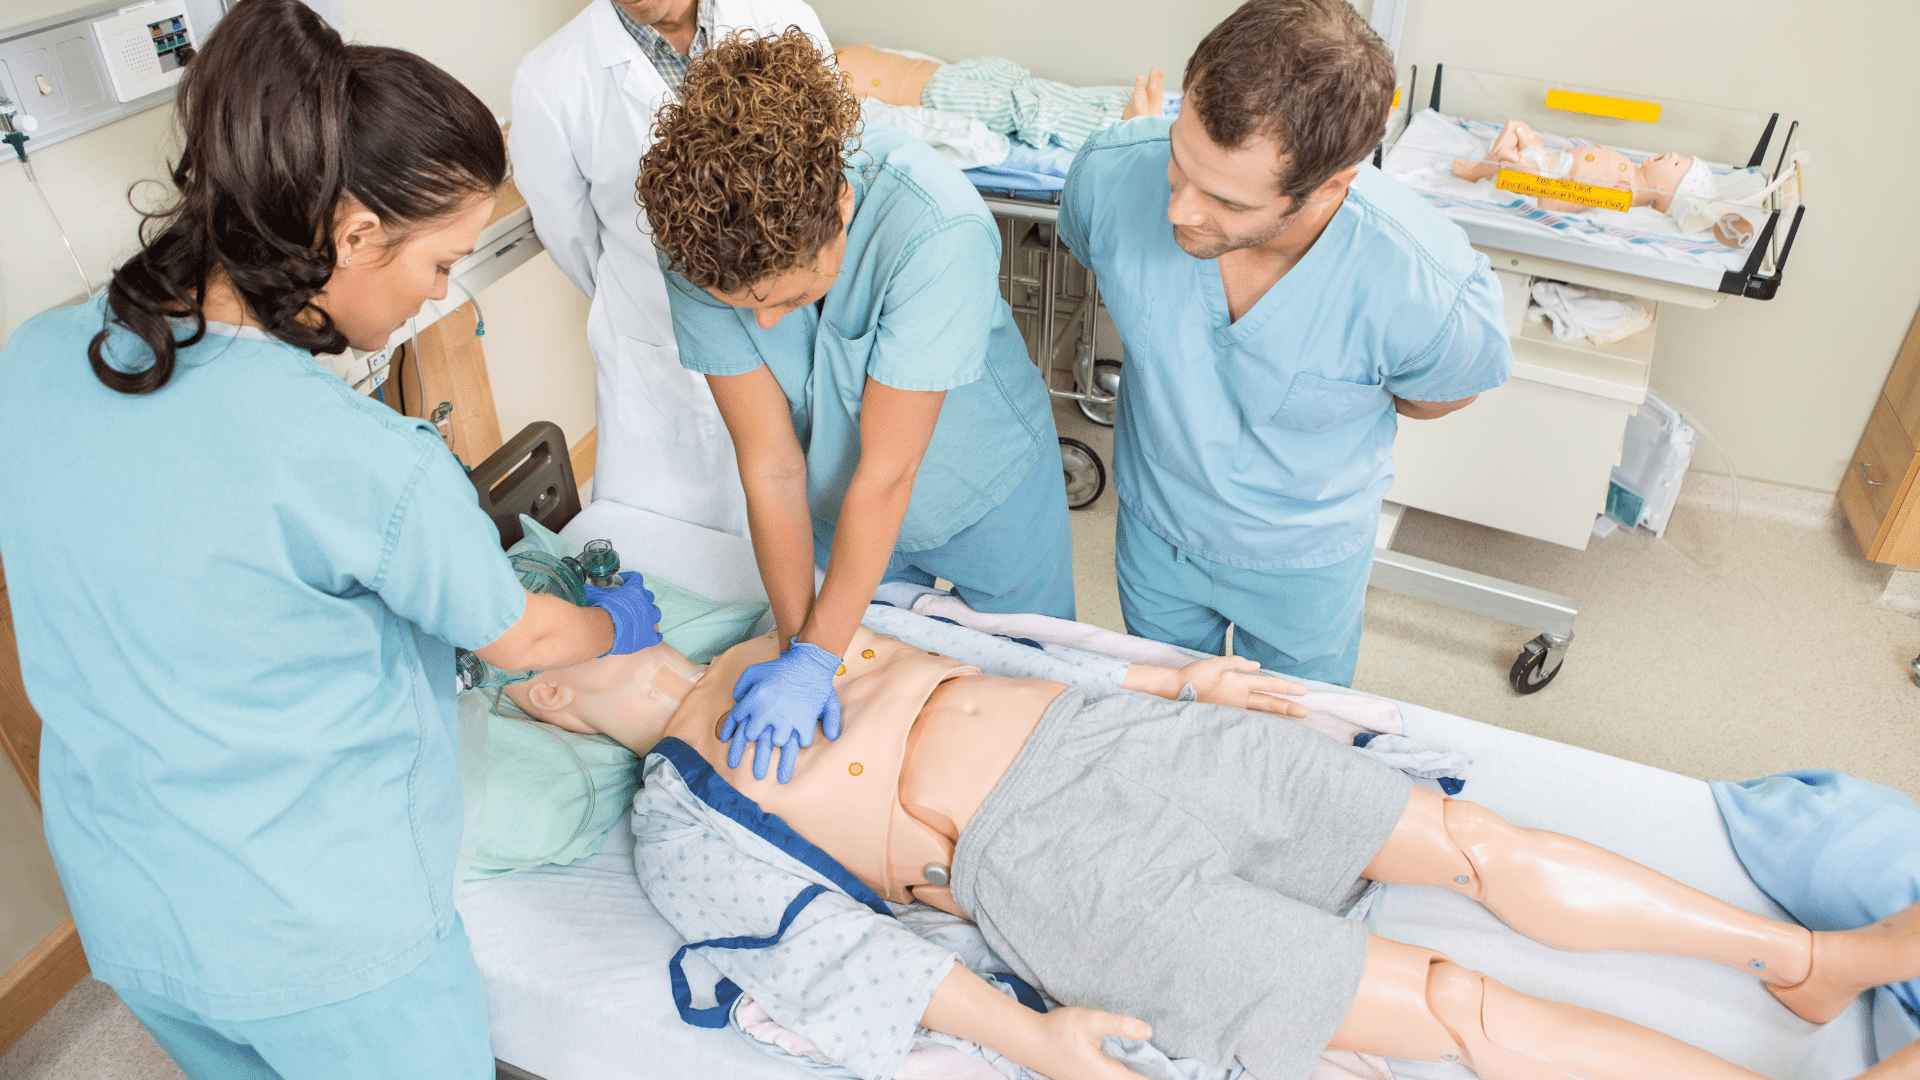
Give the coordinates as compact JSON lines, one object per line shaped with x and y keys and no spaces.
{"x":1880,"y":494}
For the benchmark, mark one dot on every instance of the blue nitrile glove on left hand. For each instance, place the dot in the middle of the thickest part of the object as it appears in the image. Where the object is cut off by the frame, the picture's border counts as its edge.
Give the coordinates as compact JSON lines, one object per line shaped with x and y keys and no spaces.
{"x":777,"y":703}
{"x":636,"y":622}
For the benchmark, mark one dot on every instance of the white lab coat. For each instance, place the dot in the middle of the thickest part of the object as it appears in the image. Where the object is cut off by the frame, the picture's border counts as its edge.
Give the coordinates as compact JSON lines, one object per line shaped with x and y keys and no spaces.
{"x":583,"y":109}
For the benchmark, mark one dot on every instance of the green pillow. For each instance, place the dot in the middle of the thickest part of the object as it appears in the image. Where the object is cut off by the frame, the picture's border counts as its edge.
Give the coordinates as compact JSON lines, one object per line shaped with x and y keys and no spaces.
{"x":535,"y":795}
{"x":699,"y":627}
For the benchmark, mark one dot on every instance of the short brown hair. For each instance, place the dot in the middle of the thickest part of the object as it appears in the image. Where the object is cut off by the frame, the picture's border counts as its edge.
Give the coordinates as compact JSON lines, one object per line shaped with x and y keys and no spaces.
{"x":1309,"y":74}
{"x":743,"y":180}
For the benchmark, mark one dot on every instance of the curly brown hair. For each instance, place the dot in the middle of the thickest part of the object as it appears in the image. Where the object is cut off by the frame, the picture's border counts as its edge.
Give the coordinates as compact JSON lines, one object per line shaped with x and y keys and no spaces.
{"x":743,"y":180}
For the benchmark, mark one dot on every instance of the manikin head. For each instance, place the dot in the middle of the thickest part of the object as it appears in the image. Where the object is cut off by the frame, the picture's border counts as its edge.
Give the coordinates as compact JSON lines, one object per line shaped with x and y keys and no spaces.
{"x":1284,"y":99}
{"x":1660,"y":177}
{"x":629,"y":698}
{"x":745,"y":184}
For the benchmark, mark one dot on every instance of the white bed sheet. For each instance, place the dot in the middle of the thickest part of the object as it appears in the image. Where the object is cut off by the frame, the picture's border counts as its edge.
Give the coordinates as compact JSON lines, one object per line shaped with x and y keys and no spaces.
{"x":575,"y":957}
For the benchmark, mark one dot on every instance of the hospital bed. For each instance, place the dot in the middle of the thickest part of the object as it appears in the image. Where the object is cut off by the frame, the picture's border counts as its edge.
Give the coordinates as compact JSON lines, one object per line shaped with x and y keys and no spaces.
{"x":575,"y":957}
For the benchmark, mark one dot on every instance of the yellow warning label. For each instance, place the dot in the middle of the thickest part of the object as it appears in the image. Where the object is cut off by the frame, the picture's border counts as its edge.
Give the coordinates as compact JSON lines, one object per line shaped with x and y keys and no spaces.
{"x":1615,"y":108}
{"x":1573,"y":191}
{"x":1396,"y":99}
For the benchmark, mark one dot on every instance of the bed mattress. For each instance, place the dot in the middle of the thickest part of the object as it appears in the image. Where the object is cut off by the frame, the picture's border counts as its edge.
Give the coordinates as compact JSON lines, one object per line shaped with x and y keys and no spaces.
{"x":575,"y":957}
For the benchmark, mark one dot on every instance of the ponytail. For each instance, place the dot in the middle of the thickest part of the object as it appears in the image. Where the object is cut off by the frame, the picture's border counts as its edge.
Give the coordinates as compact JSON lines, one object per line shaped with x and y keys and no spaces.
{"x":282,"y":122}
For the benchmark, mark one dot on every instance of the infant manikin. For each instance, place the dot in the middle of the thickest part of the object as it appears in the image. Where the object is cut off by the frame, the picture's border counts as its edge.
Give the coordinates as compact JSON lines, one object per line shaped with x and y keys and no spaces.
{"x":1095,"y":821}
{"x":1674,"y":184}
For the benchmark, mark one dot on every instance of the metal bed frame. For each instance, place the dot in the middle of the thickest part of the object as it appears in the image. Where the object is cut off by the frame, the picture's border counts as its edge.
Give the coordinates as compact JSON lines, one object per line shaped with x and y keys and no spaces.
{"x":1551,"y":616}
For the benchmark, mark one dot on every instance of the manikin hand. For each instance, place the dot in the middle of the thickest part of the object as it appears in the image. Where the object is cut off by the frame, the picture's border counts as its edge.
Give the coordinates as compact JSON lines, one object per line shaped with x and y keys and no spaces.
{"x":1236,"y":681}
{"x":1070,"y":1044}
{"x":778,"y":703}
{"x":1149,"y":96}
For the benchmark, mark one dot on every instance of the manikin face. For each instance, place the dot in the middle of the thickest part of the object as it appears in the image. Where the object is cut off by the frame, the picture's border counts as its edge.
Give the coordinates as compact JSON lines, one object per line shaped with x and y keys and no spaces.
{"x":1660,"y":177}
{"x":377,"y":284}
{"x":774,"y":298}
{"x":631,"y":698}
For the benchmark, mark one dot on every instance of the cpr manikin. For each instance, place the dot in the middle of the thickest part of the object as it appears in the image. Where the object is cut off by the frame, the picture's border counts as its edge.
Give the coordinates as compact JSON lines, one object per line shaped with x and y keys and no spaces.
{"x":1004,"y":96}
{"x":926,"y":740}
{"x":1673,"y":184}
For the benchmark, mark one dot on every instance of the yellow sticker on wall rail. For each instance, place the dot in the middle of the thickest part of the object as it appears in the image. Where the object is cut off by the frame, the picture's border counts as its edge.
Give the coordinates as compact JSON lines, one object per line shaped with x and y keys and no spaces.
{"x":1614,"y":108}
{"x":1573,"y":191}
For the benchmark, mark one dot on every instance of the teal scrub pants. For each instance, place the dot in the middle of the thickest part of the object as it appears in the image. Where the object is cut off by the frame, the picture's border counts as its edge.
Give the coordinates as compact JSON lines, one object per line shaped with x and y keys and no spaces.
{"x":1303,"y":623}
{"x":429,"y":1024}
{"x":1018,"y":559}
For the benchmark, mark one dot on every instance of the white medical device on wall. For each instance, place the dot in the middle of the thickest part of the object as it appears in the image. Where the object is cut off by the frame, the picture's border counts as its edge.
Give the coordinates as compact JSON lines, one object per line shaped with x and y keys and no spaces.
{"x":146,"y":48}
{"x":92,"y":65}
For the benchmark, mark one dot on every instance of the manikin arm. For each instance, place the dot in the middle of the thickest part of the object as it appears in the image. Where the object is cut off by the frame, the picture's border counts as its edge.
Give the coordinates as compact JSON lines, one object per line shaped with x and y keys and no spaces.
{"x":1234,"y":681}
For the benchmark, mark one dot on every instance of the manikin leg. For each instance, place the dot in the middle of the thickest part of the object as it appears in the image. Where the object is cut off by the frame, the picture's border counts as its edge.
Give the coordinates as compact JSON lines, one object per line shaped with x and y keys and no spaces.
{"x":1418,"y":1005}
{"x":1572,"y":895}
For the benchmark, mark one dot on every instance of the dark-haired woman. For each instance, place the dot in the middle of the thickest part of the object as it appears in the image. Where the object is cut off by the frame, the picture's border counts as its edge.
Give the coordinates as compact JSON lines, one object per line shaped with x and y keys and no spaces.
{"x":238,"y":585}
{"x":845,"y":307}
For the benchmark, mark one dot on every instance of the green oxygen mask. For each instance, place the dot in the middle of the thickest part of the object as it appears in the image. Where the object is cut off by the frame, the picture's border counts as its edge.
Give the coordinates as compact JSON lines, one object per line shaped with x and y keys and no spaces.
{"x":564,"y":576}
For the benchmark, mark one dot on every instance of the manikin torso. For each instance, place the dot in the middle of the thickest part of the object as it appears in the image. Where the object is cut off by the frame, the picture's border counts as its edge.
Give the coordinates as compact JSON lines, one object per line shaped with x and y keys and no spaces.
{"x":888,"y":76}
{"x":923,"y":741}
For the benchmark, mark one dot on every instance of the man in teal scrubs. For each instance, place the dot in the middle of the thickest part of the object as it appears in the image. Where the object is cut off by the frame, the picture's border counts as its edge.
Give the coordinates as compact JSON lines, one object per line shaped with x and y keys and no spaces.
{"x":1281,"y":306}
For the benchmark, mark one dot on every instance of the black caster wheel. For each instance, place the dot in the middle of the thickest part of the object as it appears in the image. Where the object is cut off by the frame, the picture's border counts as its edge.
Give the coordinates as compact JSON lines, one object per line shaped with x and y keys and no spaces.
{"x":1085,"y":473}
{"x":1106,"y":381}
{"x":1915,"y":668}
{"x":1537,"y":665}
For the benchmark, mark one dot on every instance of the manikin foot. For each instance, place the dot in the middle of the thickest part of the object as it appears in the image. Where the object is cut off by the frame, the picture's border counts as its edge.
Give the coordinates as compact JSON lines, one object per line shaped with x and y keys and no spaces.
{"x":1851,"y":962}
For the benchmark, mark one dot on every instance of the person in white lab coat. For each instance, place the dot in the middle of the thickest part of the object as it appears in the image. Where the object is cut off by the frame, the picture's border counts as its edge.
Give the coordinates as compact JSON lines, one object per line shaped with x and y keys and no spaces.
{"x":583,"y":110}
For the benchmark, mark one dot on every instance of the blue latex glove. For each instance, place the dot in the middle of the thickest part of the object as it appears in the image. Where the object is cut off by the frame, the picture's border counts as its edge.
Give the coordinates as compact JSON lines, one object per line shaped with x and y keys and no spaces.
{"x":636,"y":622}
{"x":777,"y":703}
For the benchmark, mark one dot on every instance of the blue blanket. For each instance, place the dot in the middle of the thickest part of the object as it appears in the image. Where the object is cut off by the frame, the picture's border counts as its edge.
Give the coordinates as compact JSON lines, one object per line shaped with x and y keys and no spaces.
{"x":1838,"y":853}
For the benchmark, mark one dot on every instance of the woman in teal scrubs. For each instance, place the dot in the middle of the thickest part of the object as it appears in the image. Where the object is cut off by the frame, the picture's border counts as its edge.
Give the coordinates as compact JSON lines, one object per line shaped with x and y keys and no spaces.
{"x":843,"y":301}
{"x":238,"y":585}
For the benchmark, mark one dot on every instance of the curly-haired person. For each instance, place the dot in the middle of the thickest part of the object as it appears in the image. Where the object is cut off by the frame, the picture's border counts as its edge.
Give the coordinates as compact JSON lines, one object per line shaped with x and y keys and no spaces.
{"x":841,"y":294}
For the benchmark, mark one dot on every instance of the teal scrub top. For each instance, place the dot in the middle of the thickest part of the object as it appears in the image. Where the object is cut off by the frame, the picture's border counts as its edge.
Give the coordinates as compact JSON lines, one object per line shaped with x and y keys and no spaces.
{"x":237,"y":600}
{"x":1268,"y":443}
{"x":917,"y":306}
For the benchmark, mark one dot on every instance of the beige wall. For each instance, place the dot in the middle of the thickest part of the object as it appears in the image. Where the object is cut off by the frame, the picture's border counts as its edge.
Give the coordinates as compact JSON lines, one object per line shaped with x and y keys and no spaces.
{"x":1785,"y":385}
{"x":536,"y":342}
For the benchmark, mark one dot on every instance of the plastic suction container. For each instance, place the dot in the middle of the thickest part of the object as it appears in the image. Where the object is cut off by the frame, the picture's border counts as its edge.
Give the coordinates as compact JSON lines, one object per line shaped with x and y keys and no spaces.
{"x":601,"y":563}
